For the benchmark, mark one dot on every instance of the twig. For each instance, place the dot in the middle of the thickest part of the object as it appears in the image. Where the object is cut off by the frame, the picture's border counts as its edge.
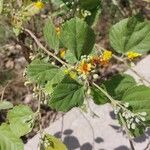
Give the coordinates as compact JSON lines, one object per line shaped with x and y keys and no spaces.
{"x":90,"y":126}
{"x":114,"y":103}
{"x":148,"y":146}
{"x":45,"y":50}
{"x":39,"y":112}
{"x":3,"y":91}
{"x":127,"y":132}
{"x":119,"y":8}
{"x":62,"y":127}
{"x":131,"y":144}
{"x":105,"y":93}
{"x":123,"y":61}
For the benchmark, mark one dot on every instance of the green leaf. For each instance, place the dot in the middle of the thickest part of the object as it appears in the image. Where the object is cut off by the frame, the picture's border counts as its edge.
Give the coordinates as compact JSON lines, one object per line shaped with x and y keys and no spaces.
{"x":131,"y":34}
{"x":52,"y":143}
{"x":40,"y":72}
{"x":118,"y":84}
{"x":77,"y":37}
{"x":139,"y":99}
{"x":5,"y":105}
{"x":115,"y":87}
{"x":51,"y":35}
{"x":8,"y":140}
{"x":70,"y":58}
{"x":68,"y":94}
{"x":89,"y":4}
{"x":57,"y":78}
{"x":21,"y":120}
{"x":98,"y":97}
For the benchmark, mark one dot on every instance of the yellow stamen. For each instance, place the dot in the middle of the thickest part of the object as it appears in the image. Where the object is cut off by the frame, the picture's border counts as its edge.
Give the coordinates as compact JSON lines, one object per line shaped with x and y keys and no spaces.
{"x":39,"y":5}
{"x":58,"y":30}
{"x":132,"y":55}
{"x":84,"y":67}
{"x":107,"y":55}
{"x":62,"y":53}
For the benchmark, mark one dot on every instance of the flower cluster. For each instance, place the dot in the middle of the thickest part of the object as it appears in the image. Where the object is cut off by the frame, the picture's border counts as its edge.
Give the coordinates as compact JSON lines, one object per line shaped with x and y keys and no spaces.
{"x":132,"y":119}
{"x":89,"y":63}
{"x":102,"y":59}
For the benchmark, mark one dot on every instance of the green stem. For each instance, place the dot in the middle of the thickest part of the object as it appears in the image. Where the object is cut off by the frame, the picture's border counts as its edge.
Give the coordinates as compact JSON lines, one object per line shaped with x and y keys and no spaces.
{"x":119,"y":8}
{"x":114,"y":103}
{"x":127,"y":131}
{"x":39,"y":112}
{"x":105,"y":93}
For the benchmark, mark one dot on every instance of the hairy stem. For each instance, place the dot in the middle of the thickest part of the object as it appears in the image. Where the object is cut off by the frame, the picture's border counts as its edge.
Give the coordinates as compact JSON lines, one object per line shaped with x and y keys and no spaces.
{"x":128,"y":67}
{"x":127,"y":132}
{"x":3,"y":91}
{"x":45,"y":50}
{"x":115,"y":103}
{"x":39,"y":112}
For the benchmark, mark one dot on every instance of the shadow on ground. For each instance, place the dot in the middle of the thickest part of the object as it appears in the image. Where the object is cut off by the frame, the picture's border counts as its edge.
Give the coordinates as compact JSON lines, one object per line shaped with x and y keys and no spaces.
{"x":73,"y":143}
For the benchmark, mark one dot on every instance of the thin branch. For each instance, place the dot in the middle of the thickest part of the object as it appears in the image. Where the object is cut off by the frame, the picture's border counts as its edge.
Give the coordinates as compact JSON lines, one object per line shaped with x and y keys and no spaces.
{"x":90,"y":127}
{"x":104,"y":92}
{"x":125,"y":63}
{"x":131,"y":144}
{"x":147,"y":147}
{"x":115,"y":102}
{"x":119,"y":8}
{"x":45,"y":50}
{"x":4,"y":89}
{"x":127,"y":132}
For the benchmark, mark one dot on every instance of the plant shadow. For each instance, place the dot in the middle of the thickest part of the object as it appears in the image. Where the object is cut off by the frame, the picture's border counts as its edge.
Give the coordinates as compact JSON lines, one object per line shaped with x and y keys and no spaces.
{"x":73,"y":143}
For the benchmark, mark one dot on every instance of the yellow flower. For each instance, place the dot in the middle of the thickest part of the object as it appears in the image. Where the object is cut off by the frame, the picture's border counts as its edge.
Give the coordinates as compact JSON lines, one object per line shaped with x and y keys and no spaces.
{"x":58,"y":30}
{"x":107,"y":55}
{"x":39,"y":5}
{"x":132,"y":55}
{"x":62,"y":53}
{"x":84,"y":67}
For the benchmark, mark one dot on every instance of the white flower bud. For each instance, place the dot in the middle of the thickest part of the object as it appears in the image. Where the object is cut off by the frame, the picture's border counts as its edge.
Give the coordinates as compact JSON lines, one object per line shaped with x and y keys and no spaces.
{"x":142,"y":118}
{"x":137,"y":120}
{"x":95,"y":76}
{"x":115,"y":111}
{"x":128,"y":125}
{"x":143,"y":113}
{"x":126,"y":105}
{"x":133,"y":126}
{"x":89,"y":91}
